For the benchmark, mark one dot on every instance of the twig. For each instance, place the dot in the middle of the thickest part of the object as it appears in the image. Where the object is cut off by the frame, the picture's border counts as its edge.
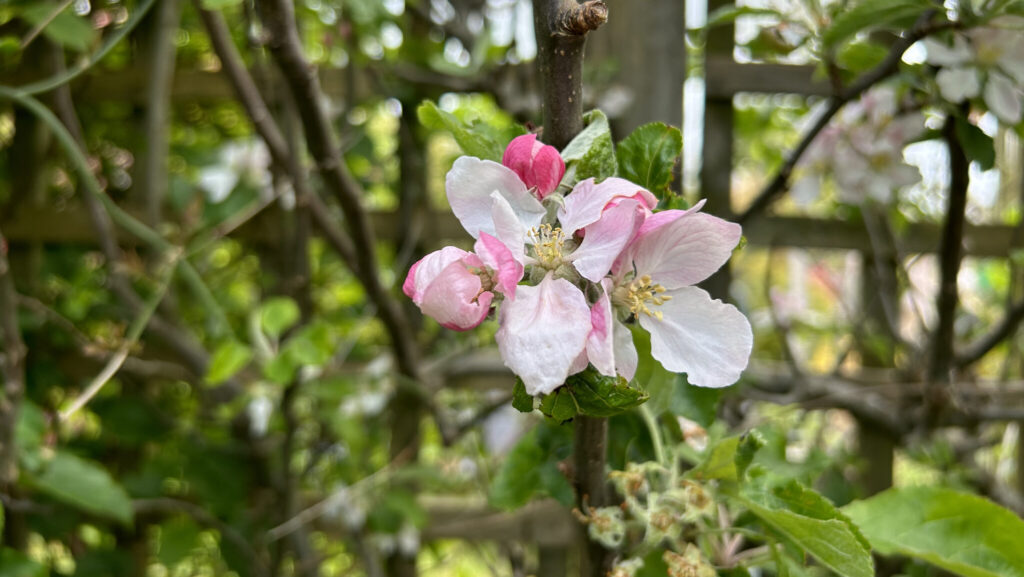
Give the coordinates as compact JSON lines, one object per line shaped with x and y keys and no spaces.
{"x":981,"y":347}
{"x":38,"y":28}
{"x":12,"y":369}
{"x":134,"y":333}
{"x":889,"y":66}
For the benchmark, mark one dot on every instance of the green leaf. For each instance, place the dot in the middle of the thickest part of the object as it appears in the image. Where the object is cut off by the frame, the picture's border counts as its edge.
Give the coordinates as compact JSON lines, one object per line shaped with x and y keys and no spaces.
{"x":229,"y":358}
{"x":313,"y":345}
{"x":750,"y":443}
{"x":812,"y":523}
{"x":278,"y":315}
{"x":521,"y":400}
{"x":699,"y":404}
{"x":872,"y":14}
{"x":17,"y":564}
{"x":66,"y":29}
{"x":656,"y":380}
{"x":861,"y":56}
{"x":219,"y":4}
{"x":977,"y":145}
{"x":280,"y":369}
{"x":178,"y":537}
{"x":531,"y":469}
{"x":720,"y":462}
{"x":597,"y":395}
{"x":648,"y":155}
{"x":962,"y":533}
{"x":592,"y":153}
{"x":469,"y":137}
{"x":559,"y":405}
{"x":85,"y":485}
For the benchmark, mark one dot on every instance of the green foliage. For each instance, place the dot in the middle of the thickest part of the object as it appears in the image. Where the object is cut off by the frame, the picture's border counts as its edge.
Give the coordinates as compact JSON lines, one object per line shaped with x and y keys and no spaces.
{"x":219,"y":4}
{"x":66,"y":29}
{"x":728,"y":459}
{"x":178,"y":537}
{"x":977,"y":145}
{"x":470,"y":137}
{"x":278,"y":315}
{"x":872,"y":14}
{"x":810,"y":522}
{"x":16,"y":564}
{"x":591,"y":154}
{"x":531,"y":469}
{"x":521,"y":400}
{"x":84,"y":485}
{"x":859,"y":57}
{"x":229,"y":358}
{"x":958,"y":532}
{"x":593,"y":394}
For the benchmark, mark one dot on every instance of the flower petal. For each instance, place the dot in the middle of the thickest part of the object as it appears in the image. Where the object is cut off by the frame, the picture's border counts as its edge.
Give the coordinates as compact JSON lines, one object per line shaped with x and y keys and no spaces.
{"x":427,"y":269}
{"x":1003,"y":98}
{"x":496,"y":256}
{"x":958,"y":84}
{"x":941,"y":54}
{"x":626,"y":358}
{"x":455,"y":300}
{"x":682,"y":249}
{"x":538,"y":165}
{"x":707,"y":339}
{"x":508,"y":228}
{"x":469,"y":185}
{"x":542,"y":332}
{"x":586,"y":202}
{"x":606,"y":238}
{"x":600,"y":341}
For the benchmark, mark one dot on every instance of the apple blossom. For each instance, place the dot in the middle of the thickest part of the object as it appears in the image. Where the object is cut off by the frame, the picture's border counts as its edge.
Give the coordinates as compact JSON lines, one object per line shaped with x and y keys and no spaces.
{"x":987,"y":62}
{"x":538,"y":165}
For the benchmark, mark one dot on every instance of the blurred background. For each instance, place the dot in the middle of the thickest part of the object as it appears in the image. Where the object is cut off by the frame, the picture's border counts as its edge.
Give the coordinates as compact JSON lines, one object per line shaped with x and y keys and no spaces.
{"x":221,"y":377}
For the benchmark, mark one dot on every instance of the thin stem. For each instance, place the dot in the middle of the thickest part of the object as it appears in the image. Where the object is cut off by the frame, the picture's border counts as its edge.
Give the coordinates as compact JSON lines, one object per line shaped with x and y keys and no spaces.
{"x":655,"y":431}
{"x":38,"y":28}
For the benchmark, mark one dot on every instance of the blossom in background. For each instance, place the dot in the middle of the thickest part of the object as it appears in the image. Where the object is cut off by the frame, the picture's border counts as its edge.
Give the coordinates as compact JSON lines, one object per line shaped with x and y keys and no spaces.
{"x":986,"y":62}
{"x":862,"y":149}
{"x":590,"y":261}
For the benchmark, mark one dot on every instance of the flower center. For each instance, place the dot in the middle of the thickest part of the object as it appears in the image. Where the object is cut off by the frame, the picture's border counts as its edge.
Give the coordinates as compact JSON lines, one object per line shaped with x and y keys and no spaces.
{"x":548,"y":243}
{"x":639,"y":295}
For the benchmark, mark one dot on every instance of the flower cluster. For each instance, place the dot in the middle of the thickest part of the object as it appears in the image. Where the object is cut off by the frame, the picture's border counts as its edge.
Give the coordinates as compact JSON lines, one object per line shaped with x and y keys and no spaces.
{"x":569,"y":271}
{"x":986,"y":62}
{"x":863,"y":150}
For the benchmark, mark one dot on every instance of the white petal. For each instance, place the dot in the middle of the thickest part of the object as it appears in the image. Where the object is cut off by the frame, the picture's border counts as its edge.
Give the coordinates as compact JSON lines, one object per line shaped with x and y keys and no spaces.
{"x":941,"y":54}
{"x":424,"y":271}
{"x":626,"y":358}
{"x":707,"y":339}
{"x":958,"y":84}
{"x":1003,"y":98}
{"x":542,"y":333}
{"x":600,"y":342}
{"x":586,"y":202}
{"x":684,"y":250}
{"x":508,"y":228}
{"x":606,"y":238}
{"x":469,"y":185}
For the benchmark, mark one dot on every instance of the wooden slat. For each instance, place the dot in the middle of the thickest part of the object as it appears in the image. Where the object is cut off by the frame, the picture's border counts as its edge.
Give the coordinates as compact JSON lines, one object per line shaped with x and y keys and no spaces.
{"x":725,"y":78}
{"x":71,"y":226}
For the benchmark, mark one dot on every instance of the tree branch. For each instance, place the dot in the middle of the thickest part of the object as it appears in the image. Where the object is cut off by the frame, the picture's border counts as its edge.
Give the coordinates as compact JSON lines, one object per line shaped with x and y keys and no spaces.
{"x":981,"y":347}
{"x":12,"y":370}
{"x":889,"y":66}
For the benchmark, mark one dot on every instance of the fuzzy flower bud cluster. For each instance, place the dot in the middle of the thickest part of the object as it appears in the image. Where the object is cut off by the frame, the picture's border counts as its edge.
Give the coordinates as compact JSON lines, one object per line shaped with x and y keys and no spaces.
{"x":565,"y":273}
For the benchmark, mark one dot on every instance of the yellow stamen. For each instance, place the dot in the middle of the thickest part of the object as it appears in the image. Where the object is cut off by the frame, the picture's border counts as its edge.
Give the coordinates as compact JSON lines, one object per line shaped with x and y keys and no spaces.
{"x":639,"y":295}
{"x":548,"y":243}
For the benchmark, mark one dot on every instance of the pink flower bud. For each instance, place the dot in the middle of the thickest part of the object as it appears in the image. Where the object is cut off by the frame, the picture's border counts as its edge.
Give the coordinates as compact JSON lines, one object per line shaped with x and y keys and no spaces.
{"x":538,"y":165}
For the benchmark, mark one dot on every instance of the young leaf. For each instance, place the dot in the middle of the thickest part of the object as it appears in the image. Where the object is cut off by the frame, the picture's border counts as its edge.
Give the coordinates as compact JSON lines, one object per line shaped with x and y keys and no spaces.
{"x":521,"y":400}
{"x":977,"y":145}
{"x":470,"y":139}
{"x":648,"y":155}
{"x":17,"y":564}
{"x":85,"y":485}
{"x":229,"y":358}
{"x":278,"y":315}
{"x":592,"y":153}
{"x":66,"y":28}
{"x":597,"y":395}
{"x":559,"y":405}
{"x":720,"y":462}
{"x":962,"y":533}
{"x":872,"y":14}
{"x":178,"y":537}
{"x":809,"y":521}
{"x":651,"y":377}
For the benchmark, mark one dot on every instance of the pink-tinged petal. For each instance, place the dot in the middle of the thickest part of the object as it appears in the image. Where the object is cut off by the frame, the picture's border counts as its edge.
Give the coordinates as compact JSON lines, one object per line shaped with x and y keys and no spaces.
{"x":542,"y":332}
{"x":537,"y":164}
{"x":427,"y":269}
{"x":1003,"y":98}
{"x":606,"y":239}
{"x":469,"y":185}
{"x":587,"y":201}
{"x":626,"y":358}
{"x":580,"y":364}
{"x":686,"y":250}
{"x":600,"y":342}
{"x":496,"y":256}
{"x":508,"y":228}
{"x":455,"y":299}
{"x":707,"y":339}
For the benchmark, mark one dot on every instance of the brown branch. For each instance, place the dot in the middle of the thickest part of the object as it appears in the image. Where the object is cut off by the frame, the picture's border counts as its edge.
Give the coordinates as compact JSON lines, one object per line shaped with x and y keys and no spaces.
{"x":1002,"y":331}
{"x":886,"y":68}
{"x":12,"y":370}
